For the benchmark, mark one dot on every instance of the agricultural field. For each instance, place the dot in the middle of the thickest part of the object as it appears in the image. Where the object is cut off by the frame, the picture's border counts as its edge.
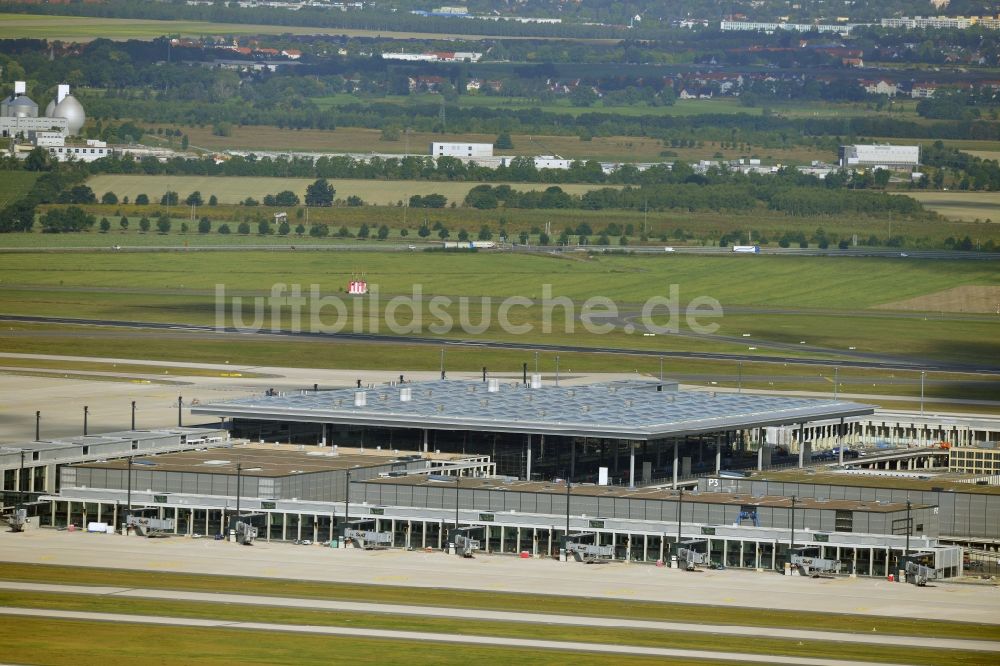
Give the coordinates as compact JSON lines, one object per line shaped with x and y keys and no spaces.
{"x":361,"y":140}
{"x":231,"y":190}
{"x":967,"y":206}
{"x":85,"y":29}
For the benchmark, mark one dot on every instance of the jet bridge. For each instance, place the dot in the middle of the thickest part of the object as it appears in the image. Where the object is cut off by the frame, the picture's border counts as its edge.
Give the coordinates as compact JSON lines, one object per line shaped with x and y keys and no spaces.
{"x":465,"y":544}
{"x":588,"y":553}
{"x":150,"y":527}
{"x":808,"y":561}
{"x":919,"y":569}
{"x":360,"y":535}
{"x":691,"y":553}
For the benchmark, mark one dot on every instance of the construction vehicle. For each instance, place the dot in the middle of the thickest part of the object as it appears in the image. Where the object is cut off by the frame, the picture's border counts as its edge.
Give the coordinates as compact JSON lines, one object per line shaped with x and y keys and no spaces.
{"x":17,"y":520}
{"x":691,"y":553}
{"x":588,"y":553}
{"x":807,"y":561}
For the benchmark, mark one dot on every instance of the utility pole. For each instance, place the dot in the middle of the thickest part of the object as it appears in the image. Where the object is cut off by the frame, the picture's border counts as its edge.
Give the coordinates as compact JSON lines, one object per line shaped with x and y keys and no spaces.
{"x":38,"y":426}
{"x":923,"y":373}
{"x":680,"y":507}
{"x":791,"y":545}
{"x":569,"y":484}
{"x":86,"y":411}
{"x":133,"y":415}
{"x":180,"y":403}
{"x":239,"y":478}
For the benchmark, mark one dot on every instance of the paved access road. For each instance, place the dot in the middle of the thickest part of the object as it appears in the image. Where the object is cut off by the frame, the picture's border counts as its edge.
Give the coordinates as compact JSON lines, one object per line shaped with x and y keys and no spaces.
{"x":507,"y":616}
{"x":491,"y":641}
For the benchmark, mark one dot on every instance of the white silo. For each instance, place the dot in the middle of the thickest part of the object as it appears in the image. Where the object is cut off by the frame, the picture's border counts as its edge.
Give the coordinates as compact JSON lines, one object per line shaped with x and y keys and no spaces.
{"x":66,"y":106}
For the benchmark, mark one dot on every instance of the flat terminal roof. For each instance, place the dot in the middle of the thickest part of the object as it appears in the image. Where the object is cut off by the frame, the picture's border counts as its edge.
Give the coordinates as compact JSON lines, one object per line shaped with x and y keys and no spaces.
{"x":948,"y":482}
{"x":257,"y":461}
{"x":106,"y":437}
{"x":623,"y":410}
{"x":591,"y":490}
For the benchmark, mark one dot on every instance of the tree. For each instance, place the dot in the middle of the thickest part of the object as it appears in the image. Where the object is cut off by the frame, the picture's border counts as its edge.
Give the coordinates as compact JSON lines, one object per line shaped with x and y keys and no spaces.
{"x":424,"y":231}
{"x":523,"y":237}
{"x":383,"y":232}
{"x":543,"y":238}
{"x":300,"y":229}
{"x":213,"y":200}
{"x":463,"y":235}
{"x":504,"y":142}
{"x":163,"y":225}
{"x":224,"y":229}
{"x":109,"y":199}
{"x":319,"y":231}
{"x":583,"y":95}
{"x":284,"y":228}
{"x":144,"y":224}
{"x":243,"y":228}
{"x":404,"y":233}
{"x":141,"y":200}
{"x":264,"y":228}
{"x":184,"y":227}
{"x":105,"y":225}
{"x":194,"y":199}
{"x":250,"y":201}
{"x":38,"y":160}
{"x":70,"y":219}
{"x":343,"y":232}
{"x":169,"y":198}
{"x":123,"y":223}
{"x":204,"y":225}
{"x":364,"y":231}
{"x":78,"y":194}
{"x":355,"y":200}
{"x":185,"y":142}
{"x":443,"y":233}
{"x":485,"y":233}
{"x":320,"y":193}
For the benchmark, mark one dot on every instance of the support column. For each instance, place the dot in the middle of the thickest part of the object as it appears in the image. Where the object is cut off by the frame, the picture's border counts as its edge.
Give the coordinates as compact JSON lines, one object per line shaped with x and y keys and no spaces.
{"x":718,"y":454}
{"x":572,"y":459}
{"x":677,"y":461}
{"x":527,"y":466}
{"x":631,"y":464}
{"x":322,"y":438}
{"x":425,"y":440}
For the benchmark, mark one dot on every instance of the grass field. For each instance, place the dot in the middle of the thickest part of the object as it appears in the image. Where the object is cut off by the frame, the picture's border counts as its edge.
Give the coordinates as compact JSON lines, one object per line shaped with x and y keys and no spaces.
{"x":85,"y":29}
{"x":501,"y":601}
{"x":967,"y":206}
{"x":14,"y":185}
{"x":231,"y":190}
{"x":827,"y":310}
{"x":384,"y":621}
{"x":329,"y":352}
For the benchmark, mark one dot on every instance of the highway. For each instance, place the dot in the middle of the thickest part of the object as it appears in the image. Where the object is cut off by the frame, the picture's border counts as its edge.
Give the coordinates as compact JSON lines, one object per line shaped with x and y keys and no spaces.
{"x":873,"y":362}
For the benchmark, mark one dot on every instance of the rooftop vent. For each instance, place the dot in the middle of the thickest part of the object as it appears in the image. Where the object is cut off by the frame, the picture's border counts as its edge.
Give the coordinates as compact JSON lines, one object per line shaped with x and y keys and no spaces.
{"x":360,"y":398}
{"x":406,"y":394}
{"x":536,"y":381}
{"x":493,"y":385}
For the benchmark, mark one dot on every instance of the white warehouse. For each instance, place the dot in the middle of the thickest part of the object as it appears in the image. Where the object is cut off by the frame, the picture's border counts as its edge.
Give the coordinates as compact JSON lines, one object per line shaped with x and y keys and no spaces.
{"x":440,"y":149}
{"x":879,"y":155}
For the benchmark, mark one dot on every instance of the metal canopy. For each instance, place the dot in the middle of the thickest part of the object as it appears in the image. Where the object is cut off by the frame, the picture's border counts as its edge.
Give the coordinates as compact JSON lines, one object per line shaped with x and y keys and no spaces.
{"x":625,"y":410}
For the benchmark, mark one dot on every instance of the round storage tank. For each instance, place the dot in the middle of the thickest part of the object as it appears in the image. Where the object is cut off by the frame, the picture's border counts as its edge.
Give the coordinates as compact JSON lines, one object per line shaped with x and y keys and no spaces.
{"x":22,"y":107}
{"x":50,"y":109}
{"x":70,"y":109}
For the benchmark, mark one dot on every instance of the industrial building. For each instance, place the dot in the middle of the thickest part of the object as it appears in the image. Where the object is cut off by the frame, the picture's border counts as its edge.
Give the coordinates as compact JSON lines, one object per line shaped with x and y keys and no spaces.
{"x":877,"y":156}
{"x":441,"y":149}
{"x":19,"y":113}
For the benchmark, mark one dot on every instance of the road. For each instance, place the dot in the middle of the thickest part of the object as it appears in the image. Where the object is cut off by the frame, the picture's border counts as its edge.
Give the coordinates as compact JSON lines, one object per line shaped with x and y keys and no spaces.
{"x":490,"y":641}
{"x":878,"y":362}
{"x":506,"y":616}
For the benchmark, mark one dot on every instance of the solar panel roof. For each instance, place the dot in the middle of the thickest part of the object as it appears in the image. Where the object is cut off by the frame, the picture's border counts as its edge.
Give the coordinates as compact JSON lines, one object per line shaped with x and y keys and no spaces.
{"x":629,"y":410}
